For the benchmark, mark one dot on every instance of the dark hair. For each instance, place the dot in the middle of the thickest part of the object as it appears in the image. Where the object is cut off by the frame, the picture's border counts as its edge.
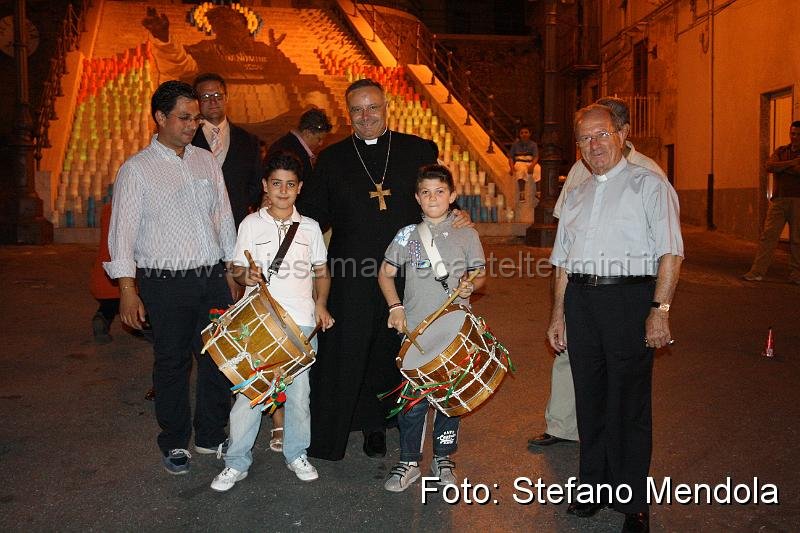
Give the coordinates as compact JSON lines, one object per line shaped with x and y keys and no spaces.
{"x":314,"y":120}
{"x":167,"y":94}
{"x":620,"y":113}
{"x":283,"y":160}
{"x":524,"y":127}
{"x":436,"y":172}
{"x":796,"y":124}
{"x":362,"y":83}
{"x":209,"y":76}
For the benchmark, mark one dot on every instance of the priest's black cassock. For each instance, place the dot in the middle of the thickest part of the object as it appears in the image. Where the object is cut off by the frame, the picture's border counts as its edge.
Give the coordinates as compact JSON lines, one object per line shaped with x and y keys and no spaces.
{"x":356,"y":359}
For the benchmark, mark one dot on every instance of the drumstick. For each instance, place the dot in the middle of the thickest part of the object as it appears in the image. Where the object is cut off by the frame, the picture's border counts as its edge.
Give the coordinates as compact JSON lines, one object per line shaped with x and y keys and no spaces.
{"x":314,"y":332}
{"x":434,"y":316}
{"x":253,"y":265}
{"x":413,"y":340}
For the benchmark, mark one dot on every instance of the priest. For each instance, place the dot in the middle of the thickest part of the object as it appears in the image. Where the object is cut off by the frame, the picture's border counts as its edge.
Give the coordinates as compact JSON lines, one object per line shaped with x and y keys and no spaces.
{"x":362,"y":188}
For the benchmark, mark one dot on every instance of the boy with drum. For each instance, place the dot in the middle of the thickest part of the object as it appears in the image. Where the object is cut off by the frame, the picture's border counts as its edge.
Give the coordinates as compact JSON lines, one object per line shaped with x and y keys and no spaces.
{"x":427,"y":287}
{"x":303,"y":295}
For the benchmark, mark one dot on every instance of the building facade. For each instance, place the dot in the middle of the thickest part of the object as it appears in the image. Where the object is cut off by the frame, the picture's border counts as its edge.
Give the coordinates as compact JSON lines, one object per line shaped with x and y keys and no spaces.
{"x":713,"y":87}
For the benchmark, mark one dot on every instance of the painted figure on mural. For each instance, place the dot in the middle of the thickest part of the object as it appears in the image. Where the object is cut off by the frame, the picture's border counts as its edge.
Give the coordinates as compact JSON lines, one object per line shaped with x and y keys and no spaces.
{"x":242,"y":60}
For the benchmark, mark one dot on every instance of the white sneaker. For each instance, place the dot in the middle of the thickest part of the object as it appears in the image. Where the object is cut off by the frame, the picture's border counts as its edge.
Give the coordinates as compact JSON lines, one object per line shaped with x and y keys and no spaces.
{"x":304,"y":470}
{"x":442,"y":467}
{"x":227,"y":479}
{"x":401,"y":476}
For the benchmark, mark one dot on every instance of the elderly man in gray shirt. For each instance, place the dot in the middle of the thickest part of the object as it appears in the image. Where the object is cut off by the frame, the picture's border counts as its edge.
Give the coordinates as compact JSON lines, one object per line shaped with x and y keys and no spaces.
{"x":617,"y":257}
{"x":559,"y":415}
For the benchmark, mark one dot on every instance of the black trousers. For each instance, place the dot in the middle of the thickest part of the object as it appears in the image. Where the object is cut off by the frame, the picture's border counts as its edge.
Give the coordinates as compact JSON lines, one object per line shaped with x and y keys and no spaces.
{"x":356,"y":362}
{"x":109,"y":308}
{"x":178,"y":304}
{"x":612,"y":370}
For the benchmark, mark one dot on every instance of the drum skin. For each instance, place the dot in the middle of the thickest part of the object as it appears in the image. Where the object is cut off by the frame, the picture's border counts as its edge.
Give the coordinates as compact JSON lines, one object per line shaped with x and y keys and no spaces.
{"x":481,"y":379}
{"x":274,"y":339}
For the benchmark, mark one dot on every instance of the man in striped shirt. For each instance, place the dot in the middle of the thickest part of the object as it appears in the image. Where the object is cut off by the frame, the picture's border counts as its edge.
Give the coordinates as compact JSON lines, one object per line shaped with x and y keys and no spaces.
{"x":171,"y":235}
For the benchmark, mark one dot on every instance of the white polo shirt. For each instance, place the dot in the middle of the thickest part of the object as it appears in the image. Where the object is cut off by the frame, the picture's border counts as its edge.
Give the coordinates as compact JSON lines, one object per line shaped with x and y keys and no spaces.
{"x":293,"y":284}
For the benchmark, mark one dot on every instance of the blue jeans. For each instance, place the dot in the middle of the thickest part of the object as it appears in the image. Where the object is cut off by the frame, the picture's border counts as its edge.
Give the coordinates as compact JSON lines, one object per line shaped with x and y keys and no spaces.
{"x":412,"y":432}
{"x":246,"y":422}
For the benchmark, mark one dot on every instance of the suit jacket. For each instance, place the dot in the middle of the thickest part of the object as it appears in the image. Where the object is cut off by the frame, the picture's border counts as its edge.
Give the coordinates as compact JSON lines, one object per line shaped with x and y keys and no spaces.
{"x":290,"y":143}
{"x":242,"y":170}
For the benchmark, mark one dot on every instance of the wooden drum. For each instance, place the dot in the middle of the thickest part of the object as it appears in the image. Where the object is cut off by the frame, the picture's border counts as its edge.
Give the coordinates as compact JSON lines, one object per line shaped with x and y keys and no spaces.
{"x":459,"y":369}
{"x":254,"y":340}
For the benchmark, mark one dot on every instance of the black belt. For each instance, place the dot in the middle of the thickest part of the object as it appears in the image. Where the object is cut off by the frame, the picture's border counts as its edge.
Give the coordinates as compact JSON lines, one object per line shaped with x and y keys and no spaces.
{"x":593,"y":281}
{"x":202,"y":271}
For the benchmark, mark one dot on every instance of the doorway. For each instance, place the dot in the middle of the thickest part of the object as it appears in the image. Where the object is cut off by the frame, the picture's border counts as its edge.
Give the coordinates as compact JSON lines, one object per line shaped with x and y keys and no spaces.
{"x":776,"y":110}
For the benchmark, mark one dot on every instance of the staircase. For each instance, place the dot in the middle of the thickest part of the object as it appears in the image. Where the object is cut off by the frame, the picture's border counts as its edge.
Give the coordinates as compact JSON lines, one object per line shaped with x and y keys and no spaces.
{"x":317,"y":60}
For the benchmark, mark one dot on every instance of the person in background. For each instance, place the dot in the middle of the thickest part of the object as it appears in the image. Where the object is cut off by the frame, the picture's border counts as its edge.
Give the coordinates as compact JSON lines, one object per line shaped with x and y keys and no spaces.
{"x":784,"y":208}
{"x":305,"y":141}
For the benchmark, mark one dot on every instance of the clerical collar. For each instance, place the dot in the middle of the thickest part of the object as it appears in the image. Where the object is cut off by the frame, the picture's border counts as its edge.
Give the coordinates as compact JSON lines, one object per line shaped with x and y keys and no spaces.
{"x":619,"y":167}
{"x":371,"y":141}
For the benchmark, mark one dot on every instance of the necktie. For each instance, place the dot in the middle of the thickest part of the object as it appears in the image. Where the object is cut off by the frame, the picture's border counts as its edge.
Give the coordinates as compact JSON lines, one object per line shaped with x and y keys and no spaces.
{"x":216,"y":142}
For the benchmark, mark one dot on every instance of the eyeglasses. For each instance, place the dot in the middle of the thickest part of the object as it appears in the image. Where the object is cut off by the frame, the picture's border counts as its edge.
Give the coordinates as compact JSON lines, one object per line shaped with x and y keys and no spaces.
{"x":212,"y":96}
{"x":370,"y":109}
{"x":584,"y":140}
{"x":187,"y":118}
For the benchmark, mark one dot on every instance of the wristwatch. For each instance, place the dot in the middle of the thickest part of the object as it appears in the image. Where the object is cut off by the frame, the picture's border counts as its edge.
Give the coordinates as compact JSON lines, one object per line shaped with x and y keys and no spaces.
{"x":660,"y":306}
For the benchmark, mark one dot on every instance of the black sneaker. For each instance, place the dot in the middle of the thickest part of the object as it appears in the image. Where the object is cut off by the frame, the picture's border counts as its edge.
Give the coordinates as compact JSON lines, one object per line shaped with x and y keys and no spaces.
{"x":100,"y":328}
{"x":177,"y":461}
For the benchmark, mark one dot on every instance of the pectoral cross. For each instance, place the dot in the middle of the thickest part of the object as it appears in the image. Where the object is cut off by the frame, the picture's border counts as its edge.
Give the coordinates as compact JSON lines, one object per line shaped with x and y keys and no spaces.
{"x":379,"y":193}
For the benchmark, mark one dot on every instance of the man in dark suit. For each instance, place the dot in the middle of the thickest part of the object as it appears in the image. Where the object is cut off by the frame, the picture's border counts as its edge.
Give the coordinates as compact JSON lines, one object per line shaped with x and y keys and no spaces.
{"x":306,"y":141}
{"x":236,"y":150}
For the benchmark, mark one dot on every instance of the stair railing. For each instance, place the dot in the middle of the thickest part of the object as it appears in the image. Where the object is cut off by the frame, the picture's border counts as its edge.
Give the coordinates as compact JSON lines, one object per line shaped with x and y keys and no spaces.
{"x":68,"y":39}
{"x":425,"y":49}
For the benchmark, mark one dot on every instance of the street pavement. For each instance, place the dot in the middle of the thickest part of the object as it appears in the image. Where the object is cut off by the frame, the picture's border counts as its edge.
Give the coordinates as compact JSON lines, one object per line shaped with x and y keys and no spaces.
{"x":77,"y":438}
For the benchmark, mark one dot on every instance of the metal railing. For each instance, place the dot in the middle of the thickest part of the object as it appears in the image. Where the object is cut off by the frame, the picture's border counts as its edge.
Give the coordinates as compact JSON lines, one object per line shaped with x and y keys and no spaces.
{"x":68,"y":39}
{"x":643,"y":114}
{"x":422,"y":47}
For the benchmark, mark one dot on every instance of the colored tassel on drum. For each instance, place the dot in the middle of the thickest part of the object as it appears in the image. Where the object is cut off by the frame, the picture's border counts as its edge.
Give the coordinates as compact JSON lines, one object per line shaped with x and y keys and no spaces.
{"x":493,"y":340}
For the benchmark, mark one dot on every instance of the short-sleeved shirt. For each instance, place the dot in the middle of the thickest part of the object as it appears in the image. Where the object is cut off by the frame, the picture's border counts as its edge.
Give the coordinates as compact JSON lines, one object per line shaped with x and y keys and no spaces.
{"x":461,"y":251}
{"x":523,"y":150}
{"x":293,"y":284}
{"x":787,"y":183}
{"x":618,"y":224}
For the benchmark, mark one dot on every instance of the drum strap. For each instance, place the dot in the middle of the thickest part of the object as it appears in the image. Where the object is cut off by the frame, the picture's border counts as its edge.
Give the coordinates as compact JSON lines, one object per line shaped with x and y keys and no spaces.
{"x":435,"y":258}
{"x":282,"y":249}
